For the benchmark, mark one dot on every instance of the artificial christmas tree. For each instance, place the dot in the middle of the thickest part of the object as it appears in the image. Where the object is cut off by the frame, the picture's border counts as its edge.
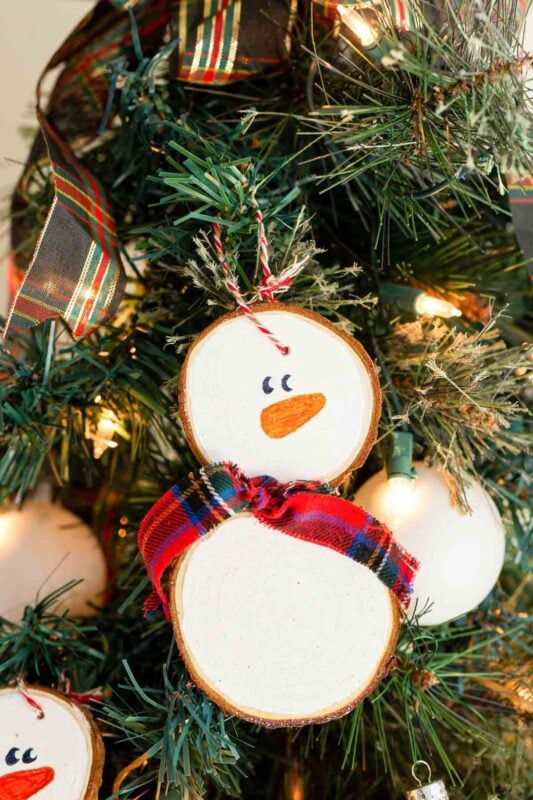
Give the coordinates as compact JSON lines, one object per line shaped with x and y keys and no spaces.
{"x":362,"y":163}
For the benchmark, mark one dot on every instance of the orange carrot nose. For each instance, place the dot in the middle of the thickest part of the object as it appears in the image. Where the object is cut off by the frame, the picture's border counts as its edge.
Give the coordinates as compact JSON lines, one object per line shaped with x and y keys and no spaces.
{"x":23,"y":784}
{"x":280,"y":419}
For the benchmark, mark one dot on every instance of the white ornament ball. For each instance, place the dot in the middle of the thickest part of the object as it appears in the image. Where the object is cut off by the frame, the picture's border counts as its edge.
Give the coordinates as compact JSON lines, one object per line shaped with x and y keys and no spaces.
{"x":461,"y":555}
{"x":43,"y":546}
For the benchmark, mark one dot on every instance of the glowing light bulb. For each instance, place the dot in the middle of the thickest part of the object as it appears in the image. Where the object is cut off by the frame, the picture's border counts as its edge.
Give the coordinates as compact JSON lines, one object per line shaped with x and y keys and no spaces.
{"x":398,"y":499}
{"x":358,"y":26}
{"x":4,"y":528}
{"x":435,"y":307}
{"x":106,"y":428}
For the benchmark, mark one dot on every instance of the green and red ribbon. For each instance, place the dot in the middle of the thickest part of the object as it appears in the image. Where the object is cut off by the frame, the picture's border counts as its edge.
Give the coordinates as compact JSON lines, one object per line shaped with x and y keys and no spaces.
{"x":302,"y":509}
{"x":76,"y":271}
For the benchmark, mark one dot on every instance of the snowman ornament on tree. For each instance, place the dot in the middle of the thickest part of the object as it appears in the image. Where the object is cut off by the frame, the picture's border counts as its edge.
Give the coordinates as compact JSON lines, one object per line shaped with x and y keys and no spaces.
{"x":50,"y":747}
{"x":284,"y":597}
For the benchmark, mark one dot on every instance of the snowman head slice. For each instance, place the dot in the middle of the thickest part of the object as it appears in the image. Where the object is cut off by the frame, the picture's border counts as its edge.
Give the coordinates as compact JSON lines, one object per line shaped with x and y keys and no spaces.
{"x":275,"y":629}
{"x":309,"y":415}
{"x":57,"y":756}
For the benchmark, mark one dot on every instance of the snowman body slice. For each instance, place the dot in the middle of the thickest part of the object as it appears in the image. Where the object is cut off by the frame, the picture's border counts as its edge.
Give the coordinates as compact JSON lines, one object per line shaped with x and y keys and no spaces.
{"x":277,"y":629}
{"x":56,"y":757}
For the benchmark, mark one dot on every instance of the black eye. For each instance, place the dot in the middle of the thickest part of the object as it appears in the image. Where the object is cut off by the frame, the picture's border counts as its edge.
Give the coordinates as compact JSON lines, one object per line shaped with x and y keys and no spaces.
{"x":267,"y":388}
{"x":29,"y":756}
{"x":285,"y":383}
{"x":12,"y":758}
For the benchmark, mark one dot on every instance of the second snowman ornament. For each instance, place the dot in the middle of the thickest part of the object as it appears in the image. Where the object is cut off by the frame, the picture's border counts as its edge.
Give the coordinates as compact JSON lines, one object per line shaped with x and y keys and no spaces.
{"x":284,"y":597}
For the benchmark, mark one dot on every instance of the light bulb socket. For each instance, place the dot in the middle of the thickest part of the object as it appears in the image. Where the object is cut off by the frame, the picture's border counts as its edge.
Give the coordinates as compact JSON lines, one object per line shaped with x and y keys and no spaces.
{"x":400,"y":460}
{"x":399,"y":296}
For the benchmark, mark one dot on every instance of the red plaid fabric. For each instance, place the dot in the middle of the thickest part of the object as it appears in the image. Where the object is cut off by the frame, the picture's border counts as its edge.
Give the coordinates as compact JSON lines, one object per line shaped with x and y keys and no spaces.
{"x":304,"y":510}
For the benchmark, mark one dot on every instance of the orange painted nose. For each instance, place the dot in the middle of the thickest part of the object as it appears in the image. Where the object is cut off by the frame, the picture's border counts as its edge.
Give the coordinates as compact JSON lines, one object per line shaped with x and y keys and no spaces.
{"x":25,"y":783}
{"x":280,"y":419}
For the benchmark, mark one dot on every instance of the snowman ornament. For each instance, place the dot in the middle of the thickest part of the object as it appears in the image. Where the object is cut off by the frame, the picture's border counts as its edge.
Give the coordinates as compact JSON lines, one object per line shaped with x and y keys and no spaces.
{"x":50,"y":747}
{"x":283,"y":596}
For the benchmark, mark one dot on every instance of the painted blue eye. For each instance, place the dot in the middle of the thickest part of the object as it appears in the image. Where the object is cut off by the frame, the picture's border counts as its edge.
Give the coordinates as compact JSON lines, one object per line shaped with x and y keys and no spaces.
{"x":12,"y":758}
{"x":267,"y":387}
{"x":29,"y":756}
{"x":285,"y":383}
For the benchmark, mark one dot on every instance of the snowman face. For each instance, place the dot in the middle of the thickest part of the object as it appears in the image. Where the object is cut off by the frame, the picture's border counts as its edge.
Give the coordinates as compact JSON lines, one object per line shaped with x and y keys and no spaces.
{"x":48,"y":758}
{"x":308,"y":415}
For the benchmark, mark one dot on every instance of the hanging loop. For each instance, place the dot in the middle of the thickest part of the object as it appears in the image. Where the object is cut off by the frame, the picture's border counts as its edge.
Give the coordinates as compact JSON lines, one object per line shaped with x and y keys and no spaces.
{"x":418,"y":763}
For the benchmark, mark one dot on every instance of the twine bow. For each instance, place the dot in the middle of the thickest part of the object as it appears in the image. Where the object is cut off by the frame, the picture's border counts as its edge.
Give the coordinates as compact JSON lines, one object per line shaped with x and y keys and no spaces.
{"x":270,"y":285}
{"x":306,"y":510}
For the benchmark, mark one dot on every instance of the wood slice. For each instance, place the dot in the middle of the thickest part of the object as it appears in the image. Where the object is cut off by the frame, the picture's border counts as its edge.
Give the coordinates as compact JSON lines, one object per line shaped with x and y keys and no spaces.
{"x":308,"y":415}
{"x":58,"y":757}
{"x":278,"y":630}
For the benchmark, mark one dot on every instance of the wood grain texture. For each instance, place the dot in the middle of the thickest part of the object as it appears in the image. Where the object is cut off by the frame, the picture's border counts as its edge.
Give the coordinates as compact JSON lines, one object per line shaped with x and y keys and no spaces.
{"x":272,"y":720}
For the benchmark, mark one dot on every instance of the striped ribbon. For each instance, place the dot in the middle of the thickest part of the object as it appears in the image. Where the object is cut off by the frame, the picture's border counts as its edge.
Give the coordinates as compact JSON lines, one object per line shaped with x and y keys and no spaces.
{"x":521,"y":191}
{"x":76,"y":270}
{"x":304,"y":510}
{"x":229,"y":40}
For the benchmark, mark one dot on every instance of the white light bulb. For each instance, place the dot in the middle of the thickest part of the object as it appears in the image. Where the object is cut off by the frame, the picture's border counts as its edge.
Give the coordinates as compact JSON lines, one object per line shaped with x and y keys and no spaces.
{"x":105,"y":430}
{"x":4,"y":529}
{"x":357,"y":25}
{"x":435,"y":307}
{"x":398,"y":499}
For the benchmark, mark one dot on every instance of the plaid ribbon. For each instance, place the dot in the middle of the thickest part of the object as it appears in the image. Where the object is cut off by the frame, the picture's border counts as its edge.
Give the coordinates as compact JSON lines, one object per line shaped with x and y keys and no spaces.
{"x":521,"y":205}
{"x":76,"y":270}
{"x":230,"y":40}
{"x":521,"y":191}
{"x":303,"y":509}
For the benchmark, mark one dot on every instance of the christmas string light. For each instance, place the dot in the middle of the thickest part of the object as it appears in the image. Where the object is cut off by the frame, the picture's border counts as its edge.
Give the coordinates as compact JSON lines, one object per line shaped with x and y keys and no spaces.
{"x":416,"y":301}
{"x":399,"y":496}
{"x":103,"y":437}
{"x":426,"y":304}
{"x":358,"y":25}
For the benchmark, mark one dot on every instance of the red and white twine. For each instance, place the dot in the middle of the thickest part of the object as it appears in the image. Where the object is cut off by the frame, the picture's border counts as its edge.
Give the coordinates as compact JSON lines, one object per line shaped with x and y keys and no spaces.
{"x":270,"y":285}
{"x":93,"y":695}
{"x":37,"y":707}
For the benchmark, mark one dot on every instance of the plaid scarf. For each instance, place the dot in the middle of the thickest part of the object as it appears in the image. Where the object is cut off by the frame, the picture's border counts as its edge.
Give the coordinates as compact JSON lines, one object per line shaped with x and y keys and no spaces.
{"x":303,"y":509}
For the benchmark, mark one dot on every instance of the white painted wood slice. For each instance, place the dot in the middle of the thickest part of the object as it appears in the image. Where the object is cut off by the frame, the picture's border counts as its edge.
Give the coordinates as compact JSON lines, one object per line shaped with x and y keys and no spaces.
{"x":58,"y":757}
{"x":308,"y":415}
{"x":278,"y":630}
